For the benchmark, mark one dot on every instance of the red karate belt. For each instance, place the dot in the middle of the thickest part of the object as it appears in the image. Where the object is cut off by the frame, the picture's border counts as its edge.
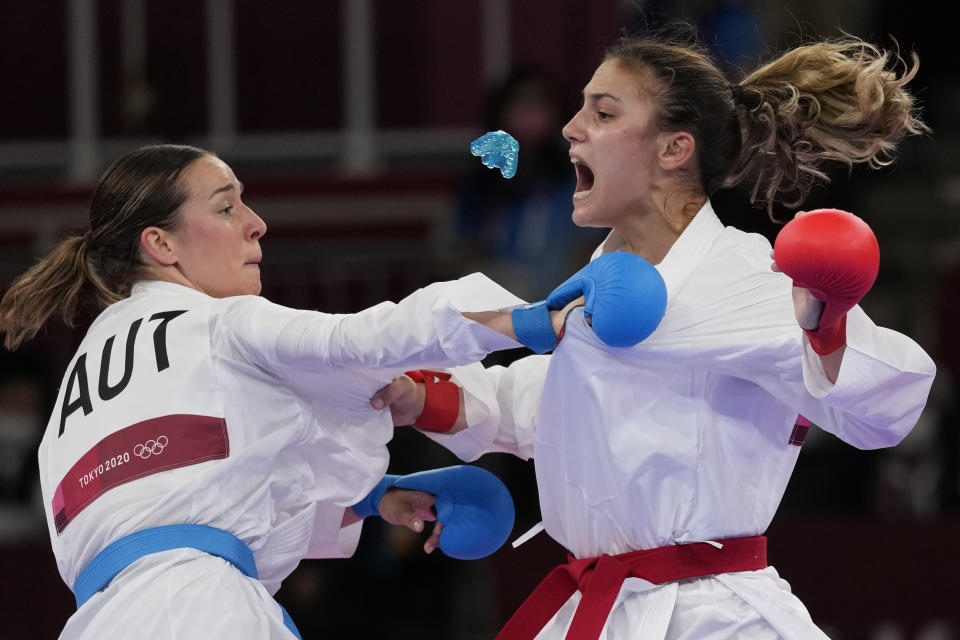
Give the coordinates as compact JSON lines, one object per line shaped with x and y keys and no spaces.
{"x":599,"y":580}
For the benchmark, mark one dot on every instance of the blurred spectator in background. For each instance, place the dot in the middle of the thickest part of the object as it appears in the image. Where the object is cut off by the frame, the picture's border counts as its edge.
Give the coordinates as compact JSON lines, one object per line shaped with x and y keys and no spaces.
{"x":519,"y":231}
{"x":23,"y":409}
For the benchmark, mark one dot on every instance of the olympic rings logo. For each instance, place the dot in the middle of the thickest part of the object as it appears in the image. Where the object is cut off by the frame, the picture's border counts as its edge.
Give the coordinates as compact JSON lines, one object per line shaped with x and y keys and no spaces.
{"x":151,"y":447}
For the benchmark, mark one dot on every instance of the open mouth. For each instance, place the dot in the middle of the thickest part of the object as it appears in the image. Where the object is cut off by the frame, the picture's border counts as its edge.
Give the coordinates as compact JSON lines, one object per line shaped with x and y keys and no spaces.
{"x":584,"y":178}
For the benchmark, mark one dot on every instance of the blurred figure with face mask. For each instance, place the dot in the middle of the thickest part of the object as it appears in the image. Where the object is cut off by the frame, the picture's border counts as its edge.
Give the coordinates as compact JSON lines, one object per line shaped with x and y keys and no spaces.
{"x":519,"y":230}
{"x":23,"y":405}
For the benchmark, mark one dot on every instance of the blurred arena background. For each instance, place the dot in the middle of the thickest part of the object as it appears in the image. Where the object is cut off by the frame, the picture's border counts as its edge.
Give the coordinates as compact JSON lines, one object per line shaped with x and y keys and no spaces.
{"x":349,"y":123}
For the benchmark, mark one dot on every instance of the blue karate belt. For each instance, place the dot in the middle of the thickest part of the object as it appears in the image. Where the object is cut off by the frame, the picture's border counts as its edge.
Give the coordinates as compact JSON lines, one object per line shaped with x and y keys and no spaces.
{"x":120,"y":554}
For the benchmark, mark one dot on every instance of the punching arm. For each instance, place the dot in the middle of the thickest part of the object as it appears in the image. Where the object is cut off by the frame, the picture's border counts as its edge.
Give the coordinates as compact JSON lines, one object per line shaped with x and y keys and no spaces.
{"x":833,"y":258}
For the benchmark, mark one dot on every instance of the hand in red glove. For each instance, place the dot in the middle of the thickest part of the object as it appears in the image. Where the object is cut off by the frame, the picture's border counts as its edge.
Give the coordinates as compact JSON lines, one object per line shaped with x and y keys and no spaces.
{"x":432,"y":405}
{"x":834,"y":255}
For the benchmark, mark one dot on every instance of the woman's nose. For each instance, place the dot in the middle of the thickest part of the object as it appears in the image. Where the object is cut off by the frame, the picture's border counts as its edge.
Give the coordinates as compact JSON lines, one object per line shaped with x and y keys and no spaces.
{"x":259,"y":228}
{"x":571,"y":130}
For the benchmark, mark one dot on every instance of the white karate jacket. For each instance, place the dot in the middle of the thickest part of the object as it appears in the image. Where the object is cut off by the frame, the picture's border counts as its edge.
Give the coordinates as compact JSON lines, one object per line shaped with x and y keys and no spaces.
{"x":239,"y":414}
{"x":686,"y":437}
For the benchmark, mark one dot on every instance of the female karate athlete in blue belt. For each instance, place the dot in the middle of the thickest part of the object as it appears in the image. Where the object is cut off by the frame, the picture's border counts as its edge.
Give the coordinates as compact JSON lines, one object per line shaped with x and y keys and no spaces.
{"x":205,"y":440}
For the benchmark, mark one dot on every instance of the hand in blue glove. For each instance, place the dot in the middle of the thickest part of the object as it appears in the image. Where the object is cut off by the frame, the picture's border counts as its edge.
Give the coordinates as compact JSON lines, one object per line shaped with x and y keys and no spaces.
{"x":625,"y":299}
{"x":472,"y":504}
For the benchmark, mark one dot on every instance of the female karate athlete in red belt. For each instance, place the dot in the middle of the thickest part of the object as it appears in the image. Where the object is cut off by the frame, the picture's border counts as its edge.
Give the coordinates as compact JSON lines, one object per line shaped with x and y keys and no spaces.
{"x":660,"y":465}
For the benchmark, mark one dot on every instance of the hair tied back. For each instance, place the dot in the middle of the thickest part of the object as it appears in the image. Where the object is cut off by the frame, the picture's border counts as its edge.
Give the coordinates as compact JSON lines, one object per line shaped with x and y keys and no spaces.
{"x":737,"y":90}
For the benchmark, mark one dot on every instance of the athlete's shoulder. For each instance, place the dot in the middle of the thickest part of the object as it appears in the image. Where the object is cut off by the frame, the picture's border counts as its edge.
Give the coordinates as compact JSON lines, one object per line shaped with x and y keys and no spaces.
{"x":736,"y":273}
{"x":239,"y":307}
{"x":740,"y":251}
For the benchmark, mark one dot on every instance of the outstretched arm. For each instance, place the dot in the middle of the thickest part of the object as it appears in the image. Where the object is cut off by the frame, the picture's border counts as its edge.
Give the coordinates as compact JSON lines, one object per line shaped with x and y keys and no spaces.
{"x":504,"y":322}
{"x":424,"y":329}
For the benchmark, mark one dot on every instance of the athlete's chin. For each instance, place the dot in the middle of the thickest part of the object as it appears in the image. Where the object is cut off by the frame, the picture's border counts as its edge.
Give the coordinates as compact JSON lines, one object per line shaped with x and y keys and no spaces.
{"x":246,"y":287}
{"x":585,"y":216}
{"x":251,"y":284}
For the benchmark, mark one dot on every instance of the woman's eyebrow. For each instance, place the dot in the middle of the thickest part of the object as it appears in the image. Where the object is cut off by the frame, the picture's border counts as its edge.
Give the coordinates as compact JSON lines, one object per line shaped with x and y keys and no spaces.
{"x":228,"y":187}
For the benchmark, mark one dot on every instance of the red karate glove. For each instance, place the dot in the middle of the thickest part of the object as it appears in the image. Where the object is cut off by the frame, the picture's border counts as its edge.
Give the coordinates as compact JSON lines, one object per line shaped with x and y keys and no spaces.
{"x":835,"y":256}
{"x":441,"y":403}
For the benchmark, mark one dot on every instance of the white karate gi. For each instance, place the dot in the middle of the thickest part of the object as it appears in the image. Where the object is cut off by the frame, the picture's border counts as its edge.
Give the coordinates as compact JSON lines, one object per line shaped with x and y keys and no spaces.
{"x":685,"y":437}
{"x":290,"y":391}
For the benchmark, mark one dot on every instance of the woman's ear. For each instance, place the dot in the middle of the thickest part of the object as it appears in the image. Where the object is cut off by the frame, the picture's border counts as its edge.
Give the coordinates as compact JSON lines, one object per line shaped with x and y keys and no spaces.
{"x":675,"y":149}
{"x":158,"y":245}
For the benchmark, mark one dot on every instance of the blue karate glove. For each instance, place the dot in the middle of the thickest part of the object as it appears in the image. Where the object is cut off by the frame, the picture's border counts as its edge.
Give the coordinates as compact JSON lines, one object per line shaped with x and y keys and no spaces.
{"x":370,"y":504}
{"x":625,"y":297}
{"x":473,"y":505}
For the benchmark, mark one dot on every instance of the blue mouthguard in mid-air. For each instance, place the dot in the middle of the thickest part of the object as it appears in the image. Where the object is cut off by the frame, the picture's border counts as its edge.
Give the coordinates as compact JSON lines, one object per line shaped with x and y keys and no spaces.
{"x":497,"y":149}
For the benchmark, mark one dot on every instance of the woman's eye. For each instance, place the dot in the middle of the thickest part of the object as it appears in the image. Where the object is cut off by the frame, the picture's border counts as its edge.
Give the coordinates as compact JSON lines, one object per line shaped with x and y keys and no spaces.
{"x":227,"y":210}
{"x":602,"y":116}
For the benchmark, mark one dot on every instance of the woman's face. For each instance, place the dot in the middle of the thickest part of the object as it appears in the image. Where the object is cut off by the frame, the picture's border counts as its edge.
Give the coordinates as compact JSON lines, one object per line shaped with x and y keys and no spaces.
{"x":218,"y":238}
{"x":612,"y":145}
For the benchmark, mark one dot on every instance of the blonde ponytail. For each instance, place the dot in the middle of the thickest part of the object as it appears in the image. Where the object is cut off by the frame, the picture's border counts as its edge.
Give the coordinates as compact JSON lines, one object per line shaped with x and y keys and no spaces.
{"x":842,"y":101}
